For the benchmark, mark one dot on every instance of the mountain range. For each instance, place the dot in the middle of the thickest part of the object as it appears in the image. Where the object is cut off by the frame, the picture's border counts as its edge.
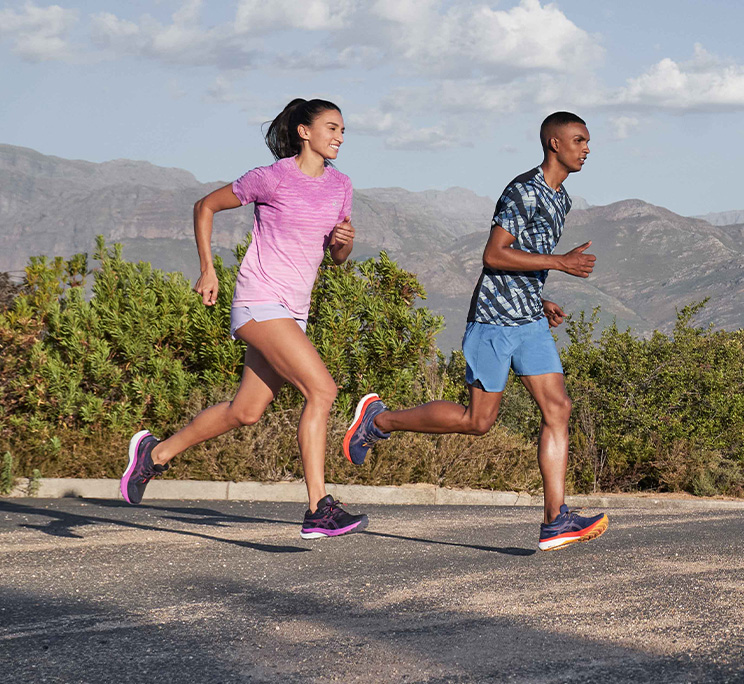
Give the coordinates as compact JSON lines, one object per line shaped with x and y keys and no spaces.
{"x":650,"y":261}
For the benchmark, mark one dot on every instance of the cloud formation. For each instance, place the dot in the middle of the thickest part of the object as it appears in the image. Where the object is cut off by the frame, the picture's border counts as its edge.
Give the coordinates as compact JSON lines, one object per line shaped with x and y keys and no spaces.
{"x":400,"y":134}
{"x":704,"y":83}
{"x":623,"y":126}
{"x":467,"y":38}
{"x":254,"y":16}
{"x":184,"y":41}
{"x":39,"y":34}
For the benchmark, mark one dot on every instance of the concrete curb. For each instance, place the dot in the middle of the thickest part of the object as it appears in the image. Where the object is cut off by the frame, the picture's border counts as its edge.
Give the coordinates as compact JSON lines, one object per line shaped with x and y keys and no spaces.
{"x":422,"y":494}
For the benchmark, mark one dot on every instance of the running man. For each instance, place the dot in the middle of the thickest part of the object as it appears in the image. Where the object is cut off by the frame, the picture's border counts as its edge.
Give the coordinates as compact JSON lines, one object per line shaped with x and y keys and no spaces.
{"x":509,"y":327}
{"x":302,"y":206}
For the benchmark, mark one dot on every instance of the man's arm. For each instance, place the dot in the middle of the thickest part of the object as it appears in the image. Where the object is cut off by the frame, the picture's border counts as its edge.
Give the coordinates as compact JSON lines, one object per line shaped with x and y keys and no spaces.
{"x":553,"y":313}
{"x":500,"y":256}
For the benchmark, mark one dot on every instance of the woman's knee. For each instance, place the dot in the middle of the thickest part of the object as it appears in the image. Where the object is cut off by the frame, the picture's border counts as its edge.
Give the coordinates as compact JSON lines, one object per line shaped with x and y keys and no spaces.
{"x":245,"y":415}
{"x":323,"y":394}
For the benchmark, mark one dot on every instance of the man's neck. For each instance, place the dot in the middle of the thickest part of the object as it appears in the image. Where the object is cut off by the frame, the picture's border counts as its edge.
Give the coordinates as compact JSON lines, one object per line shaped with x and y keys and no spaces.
{"x":554,"y":173}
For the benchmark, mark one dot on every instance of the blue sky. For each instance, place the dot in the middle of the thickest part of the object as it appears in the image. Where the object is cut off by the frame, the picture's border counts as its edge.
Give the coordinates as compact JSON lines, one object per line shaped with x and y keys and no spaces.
{"x":435,"y":93}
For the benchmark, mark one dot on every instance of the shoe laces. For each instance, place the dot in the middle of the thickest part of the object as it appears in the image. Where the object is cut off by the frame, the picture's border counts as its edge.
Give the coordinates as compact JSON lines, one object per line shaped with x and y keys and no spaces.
{"x":334,"y":504}
{"x":149,"y":472}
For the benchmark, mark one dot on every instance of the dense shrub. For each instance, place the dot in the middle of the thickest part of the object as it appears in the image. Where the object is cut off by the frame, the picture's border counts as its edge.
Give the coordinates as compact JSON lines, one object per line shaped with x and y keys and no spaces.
{"x":665,"y":412}
{"x":80,"y":370}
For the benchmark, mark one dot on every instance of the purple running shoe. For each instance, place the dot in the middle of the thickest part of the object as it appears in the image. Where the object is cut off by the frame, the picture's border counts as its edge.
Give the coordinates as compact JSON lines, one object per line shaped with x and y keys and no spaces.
{"x":141,"y":469}
{"x":330,"y":520}
{"x":362,"y":432}
{"x":568,"y":527}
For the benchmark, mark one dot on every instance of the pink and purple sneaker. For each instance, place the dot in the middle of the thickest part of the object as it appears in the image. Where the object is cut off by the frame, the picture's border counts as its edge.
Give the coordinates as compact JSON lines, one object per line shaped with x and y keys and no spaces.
{"x":140,"y":469}
{"x":330,"y":520}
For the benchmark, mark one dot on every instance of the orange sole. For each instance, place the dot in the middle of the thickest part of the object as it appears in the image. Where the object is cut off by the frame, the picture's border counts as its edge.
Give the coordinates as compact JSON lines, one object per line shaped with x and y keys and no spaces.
{"x":599,"y":529}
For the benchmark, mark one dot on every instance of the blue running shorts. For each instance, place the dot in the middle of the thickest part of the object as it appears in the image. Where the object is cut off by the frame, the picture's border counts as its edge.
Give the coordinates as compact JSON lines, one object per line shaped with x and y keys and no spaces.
{"x":240,"y":315}
{"x":490,"y":350}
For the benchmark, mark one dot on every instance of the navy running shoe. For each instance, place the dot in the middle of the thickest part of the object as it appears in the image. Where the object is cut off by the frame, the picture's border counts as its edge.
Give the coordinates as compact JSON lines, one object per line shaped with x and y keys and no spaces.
{"x":362,"y":433}
{"x":568,"y":527}
{"x":330,"y":520}
{"x":141,"y":469}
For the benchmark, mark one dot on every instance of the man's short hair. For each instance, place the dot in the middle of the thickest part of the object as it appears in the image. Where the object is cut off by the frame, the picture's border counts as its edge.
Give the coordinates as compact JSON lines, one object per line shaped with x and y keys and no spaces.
{"x":556,"y":120}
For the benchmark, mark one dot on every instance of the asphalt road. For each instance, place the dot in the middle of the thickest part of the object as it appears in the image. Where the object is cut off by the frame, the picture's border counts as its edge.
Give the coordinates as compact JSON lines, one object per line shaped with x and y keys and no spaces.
{"x":204,"y":593}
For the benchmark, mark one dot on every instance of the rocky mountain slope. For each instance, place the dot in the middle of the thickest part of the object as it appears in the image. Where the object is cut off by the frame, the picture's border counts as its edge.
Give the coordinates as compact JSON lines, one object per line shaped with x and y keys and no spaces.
{"x":650,"y":261}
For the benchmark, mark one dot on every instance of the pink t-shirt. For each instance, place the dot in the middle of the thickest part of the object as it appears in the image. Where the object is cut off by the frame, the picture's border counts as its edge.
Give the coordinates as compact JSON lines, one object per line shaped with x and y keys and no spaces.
{"x":294,"y":217}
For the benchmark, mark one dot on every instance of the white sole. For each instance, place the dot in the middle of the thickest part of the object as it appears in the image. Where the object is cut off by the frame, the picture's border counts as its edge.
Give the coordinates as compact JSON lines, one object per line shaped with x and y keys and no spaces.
{"x":133,"y":443}
{"x":360,"y":406}
{"x":313,"y":535}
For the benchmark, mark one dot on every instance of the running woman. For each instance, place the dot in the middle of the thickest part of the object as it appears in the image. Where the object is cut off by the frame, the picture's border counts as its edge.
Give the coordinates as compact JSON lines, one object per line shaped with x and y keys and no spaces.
{"x":302,"y":206}
{"x":509,"y":326}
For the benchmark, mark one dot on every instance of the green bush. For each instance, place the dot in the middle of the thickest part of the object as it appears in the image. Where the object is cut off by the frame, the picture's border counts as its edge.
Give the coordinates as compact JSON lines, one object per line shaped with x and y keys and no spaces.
{"x":648,"y":413}
{"x":7,"y":478}
{"x":142,"y":348}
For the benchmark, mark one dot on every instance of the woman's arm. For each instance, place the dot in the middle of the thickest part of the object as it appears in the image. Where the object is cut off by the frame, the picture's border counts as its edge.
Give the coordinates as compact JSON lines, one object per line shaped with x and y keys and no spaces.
{"x":342,"y":241}
{"x":204,"y":211}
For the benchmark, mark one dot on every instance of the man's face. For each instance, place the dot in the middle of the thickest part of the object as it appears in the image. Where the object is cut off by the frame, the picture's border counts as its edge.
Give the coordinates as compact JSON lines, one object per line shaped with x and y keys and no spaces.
{"x":572,"y":146}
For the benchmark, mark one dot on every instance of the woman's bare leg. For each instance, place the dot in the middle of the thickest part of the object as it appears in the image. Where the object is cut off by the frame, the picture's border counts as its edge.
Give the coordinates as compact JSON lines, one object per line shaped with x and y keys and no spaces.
{"x":291,"y":355}
{"x":258,"y":387}
{"x":278,"y":351}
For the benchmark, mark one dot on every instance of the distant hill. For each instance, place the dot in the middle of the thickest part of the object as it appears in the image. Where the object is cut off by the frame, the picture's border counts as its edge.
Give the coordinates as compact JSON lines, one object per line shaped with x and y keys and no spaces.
{"x":724,"y":218}
{"x":650,"y":260}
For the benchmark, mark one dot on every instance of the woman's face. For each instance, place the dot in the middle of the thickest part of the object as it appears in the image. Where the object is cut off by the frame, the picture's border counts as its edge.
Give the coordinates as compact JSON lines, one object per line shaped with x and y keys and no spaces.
{"x":324,"y":135}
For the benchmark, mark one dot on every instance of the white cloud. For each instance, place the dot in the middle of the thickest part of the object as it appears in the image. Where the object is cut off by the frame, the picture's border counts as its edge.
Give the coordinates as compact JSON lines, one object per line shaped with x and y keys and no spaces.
{"x":308,"y":15}
{"x":323,"y":59}
{"x":372,"y":121}
{"x":475,"y":38}
{"x":705,"y":83}
{"x":431,"y":138}
{"x":39,"y":33}
{"x":183,"y":41}
{"x":623,"y":126}
{"x":399,"y":134}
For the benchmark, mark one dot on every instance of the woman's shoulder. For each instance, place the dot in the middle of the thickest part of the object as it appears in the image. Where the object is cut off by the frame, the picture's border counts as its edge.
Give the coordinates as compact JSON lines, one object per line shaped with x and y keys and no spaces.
{"x":271,"y":173}
{"x":279,"y":167}
{"x":338,"y":176}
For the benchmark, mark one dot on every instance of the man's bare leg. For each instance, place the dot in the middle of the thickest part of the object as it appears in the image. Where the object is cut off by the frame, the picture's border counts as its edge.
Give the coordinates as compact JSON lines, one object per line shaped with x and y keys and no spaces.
{"x":549,"y":392}
{"x":442,"y":417}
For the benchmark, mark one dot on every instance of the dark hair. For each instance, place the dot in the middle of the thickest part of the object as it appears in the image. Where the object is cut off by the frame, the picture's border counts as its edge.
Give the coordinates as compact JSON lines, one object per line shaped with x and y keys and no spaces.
{"x":282,"y":137}
{"x":556,"y":120}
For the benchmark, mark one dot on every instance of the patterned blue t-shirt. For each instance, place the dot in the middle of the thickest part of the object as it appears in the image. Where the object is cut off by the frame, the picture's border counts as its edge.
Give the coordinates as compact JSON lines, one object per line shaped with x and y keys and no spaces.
{"x":534,"y":214}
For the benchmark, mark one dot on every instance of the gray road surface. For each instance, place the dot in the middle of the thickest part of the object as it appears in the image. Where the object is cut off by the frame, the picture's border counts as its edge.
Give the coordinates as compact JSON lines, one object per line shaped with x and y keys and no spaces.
{"x":217,"y":592}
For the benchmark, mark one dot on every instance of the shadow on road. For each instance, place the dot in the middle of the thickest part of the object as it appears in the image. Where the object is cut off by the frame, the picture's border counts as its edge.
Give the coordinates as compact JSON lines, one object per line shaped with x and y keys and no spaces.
{"x":508,"y":550}
{"x":63,"y":524}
